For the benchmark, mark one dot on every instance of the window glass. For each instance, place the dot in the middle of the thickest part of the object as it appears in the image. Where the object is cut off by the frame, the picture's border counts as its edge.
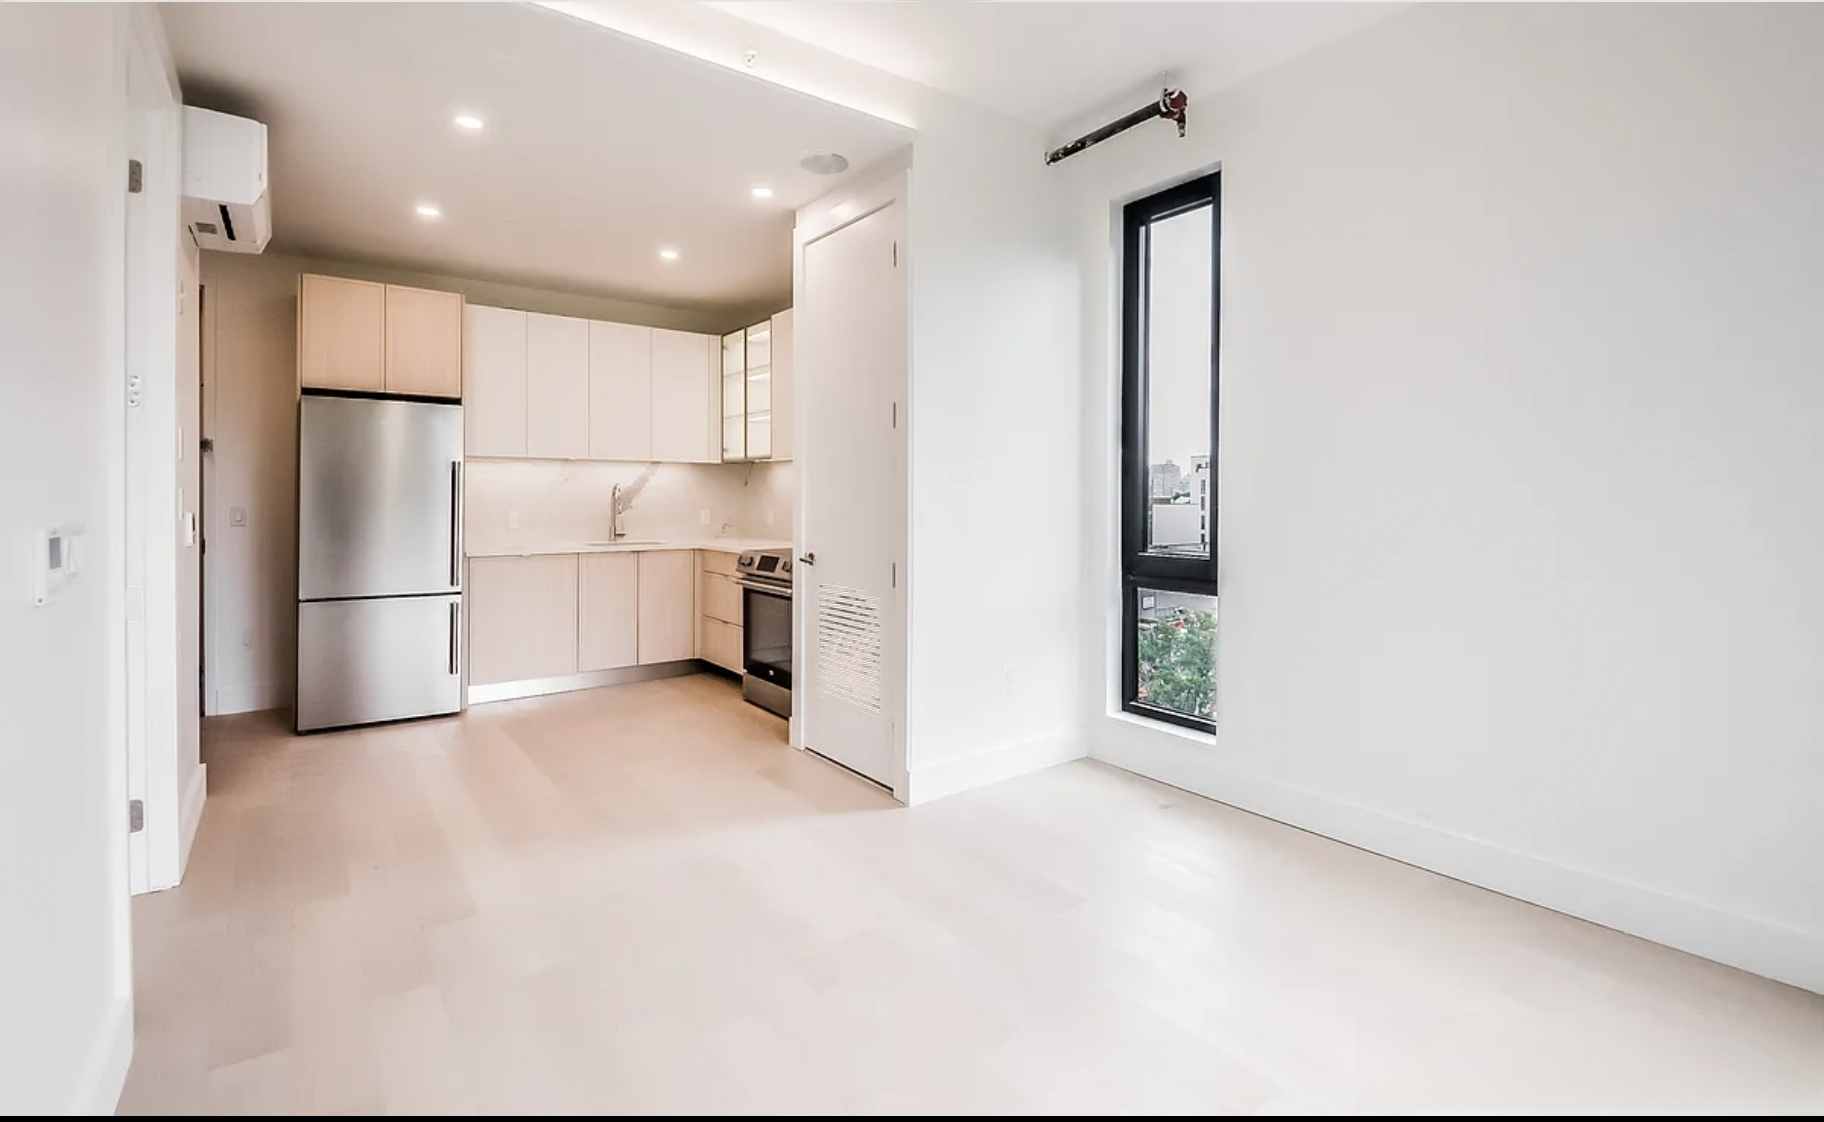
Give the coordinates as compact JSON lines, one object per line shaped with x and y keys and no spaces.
{"x":1178,"y":289}
{"x":1176,"y":651}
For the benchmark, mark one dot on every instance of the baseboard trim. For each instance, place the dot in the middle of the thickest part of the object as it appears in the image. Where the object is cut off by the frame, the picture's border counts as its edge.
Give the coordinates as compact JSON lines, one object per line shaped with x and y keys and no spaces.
{"x":250,"y":699}
{"x":105,"y":1076}
{"x":192,"y":816}
{"x":965,"y":773}
{"x":1758,"y":946}
{"x":565,"y":683}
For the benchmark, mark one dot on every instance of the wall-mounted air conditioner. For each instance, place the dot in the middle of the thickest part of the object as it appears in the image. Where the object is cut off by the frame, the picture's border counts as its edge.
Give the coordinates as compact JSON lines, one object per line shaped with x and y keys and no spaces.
{"x":225,"y":201}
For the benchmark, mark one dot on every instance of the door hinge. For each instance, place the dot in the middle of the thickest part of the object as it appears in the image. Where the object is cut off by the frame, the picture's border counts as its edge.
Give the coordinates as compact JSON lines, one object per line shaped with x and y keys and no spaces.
{"x":136,"y":177}
{"x":136,"y":815}
{"x":896,"y":255}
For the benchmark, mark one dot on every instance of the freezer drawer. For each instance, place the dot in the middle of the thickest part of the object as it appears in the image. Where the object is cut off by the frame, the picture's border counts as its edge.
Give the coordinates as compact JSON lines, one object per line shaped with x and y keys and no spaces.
{"x":361,"y":661}
{"x":379,"y":498}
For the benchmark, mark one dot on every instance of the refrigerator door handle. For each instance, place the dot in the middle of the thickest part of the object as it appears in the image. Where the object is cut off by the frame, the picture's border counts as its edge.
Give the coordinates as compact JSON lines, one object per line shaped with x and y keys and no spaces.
{"x":455,"y":637}
{"x":455,"y":523}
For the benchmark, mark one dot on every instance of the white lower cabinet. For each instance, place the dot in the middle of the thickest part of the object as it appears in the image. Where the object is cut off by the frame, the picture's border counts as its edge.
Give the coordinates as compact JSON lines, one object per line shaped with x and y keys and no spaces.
{"x":608,"y":611}
{"x":522,"y":618}
{"x":718,"y":610}
{"x":558,"y":615}
{"x":668,"y":606}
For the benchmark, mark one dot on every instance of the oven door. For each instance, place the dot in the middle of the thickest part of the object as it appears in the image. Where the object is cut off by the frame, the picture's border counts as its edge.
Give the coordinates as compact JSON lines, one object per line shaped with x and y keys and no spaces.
{"x":766,"y":635}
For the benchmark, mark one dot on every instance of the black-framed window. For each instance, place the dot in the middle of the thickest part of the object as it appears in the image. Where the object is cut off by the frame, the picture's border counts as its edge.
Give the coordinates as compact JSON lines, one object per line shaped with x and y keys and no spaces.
{"x":1170,"y":302}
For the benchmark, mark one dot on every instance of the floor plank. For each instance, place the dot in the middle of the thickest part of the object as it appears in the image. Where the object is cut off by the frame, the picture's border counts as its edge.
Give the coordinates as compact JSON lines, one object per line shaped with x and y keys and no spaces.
{"x":639,"y":899}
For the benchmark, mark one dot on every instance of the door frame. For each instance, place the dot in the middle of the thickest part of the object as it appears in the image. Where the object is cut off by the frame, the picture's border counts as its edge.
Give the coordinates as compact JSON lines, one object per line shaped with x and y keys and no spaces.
{"x":155,"y":251}
{"x":886,"y":185}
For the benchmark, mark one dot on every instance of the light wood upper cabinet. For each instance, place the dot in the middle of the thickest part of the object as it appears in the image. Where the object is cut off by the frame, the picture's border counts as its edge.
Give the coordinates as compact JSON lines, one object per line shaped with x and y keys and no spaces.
{"x":522,"y":618}
{"x":423,"y":342}
{"x":620,"y":391}
{"x":608,"y":611}
{"x":784,"y":399}
{"x":557,"y":387}
{"x":686,"y":372}
{"x":494,"y":399}
{"x":341,"y":334}
{"x":668,"y":604}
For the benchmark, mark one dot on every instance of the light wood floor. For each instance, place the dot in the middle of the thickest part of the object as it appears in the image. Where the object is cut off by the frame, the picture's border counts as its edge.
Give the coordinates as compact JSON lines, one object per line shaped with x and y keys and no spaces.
{"x":638,"y":899}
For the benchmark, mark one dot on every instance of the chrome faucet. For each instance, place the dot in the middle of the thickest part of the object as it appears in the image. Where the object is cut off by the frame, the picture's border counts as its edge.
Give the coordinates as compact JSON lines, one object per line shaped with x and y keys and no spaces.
{"x":615,"y":533}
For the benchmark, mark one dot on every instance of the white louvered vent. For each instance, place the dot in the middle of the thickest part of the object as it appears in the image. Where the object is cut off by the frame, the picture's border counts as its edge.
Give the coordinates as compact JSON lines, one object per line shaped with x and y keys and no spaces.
{"x":848,"y":645}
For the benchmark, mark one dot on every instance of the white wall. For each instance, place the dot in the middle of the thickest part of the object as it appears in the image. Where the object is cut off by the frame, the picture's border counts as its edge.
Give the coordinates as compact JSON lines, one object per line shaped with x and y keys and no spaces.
{"x":1521,"y":485}
{"x":993,"y":465}
{"x":65,"y":977}
{"x":250,"y":403}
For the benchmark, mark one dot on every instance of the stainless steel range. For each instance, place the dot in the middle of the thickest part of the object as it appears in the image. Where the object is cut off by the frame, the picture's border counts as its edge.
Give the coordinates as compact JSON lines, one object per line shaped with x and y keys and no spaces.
{"x":765,"y":577}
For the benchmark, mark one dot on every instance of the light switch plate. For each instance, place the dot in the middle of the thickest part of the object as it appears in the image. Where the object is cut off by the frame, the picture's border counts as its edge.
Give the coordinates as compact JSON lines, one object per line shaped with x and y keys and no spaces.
{"x":237,"y":516}
{"x":58,"y":554}
{"x":703,"y":517}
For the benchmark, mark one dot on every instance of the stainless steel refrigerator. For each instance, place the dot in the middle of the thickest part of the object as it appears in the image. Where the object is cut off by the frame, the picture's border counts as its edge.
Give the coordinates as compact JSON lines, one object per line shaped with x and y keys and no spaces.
{"x":379,"y":561}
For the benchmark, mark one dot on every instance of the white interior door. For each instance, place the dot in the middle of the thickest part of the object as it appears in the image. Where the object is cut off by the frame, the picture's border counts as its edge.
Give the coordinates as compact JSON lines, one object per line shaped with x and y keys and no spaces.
{"x":851,"y":364}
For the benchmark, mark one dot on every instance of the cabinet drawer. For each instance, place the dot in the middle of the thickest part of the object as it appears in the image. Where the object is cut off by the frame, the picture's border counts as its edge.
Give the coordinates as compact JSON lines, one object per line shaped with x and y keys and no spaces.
{"x":720,"y":643}
{"x":716,"y":561}
{"x":720,"y":598}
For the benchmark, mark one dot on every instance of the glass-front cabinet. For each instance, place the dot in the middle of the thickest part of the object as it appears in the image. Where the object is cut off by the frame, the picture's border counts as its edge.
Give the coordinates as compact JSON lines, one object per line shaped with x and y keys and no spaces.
{"x":748,"y":393}
{"x":734,"y":396}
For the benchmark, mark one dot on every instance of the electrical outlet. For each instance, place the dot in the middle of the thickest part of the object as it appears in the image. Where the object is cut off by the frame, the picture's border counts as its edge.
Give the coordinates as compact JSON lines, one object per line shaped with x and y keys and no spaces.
{"x":237,"y":516}
{"x":769,"y":516}
{"x":246,"y":638}
{"x":703,"y":517}
{"x":1010,"y":680}
{"x":512,"y":519}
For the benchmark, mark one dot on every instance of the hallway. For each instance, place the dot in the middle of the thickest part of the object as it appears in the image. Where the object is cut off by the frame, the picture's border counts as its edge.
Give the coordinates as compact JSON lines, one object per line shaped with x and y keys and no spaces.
{"x":638,"y":899}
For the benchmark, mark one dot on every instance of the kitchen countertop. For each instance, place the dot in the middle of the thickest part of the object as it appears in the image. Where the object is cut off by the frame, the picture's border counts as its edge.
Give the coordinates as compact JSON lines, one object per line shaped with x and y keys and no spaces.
{"x":717,"y":545}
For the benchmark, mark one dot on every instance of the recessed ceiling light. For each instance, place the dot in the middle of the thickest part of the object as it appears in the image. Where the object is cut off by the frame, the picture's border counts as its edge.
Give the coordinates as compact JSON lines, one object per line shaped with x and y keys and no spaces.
{"x":761,"y":192}
{"x":426,"y":210}
{"x":469,"y":121}
{"x":825,"y":163}
{"x":668,"y":254}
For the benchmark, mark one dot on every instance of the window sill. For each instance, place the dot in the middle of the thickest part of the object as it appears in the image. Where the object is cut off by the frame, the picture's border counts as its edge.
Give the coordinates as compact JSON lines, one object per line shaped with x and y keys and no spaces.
{"x":1164,"y":728}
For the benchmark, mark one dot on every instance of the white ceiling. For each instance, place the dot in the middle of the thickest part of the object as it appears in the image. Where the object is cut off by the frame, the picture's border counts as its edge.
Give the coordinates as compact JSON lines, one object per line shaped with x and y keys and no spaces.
{"x":598,"y":149}
{"x":1048,"y":63}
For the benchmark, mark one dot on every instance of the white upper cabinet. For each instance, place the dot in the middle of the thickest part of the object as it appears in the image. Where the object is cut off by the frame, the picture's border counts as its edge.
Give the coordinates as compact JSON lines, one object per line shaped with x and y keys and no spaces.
{"x":684,"y":376}
{"x":620,"y":392}
{"x":784,"y":432}
{"x":557,"y":387}
{"x":494,"y":382}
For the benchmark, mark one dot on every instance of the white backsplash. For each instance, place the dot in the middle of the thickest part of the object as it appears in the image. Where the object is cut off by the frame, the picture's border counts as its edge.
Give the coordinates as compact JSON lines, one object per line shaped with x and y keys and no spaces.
{"x":566,"y":501}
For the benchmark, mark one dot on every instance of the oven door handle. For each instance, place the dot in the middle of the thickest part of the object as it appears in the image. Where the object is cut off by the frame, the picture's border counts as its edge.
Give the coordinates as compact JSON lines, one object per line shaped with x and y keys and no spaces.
{"x":765,"y":589}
